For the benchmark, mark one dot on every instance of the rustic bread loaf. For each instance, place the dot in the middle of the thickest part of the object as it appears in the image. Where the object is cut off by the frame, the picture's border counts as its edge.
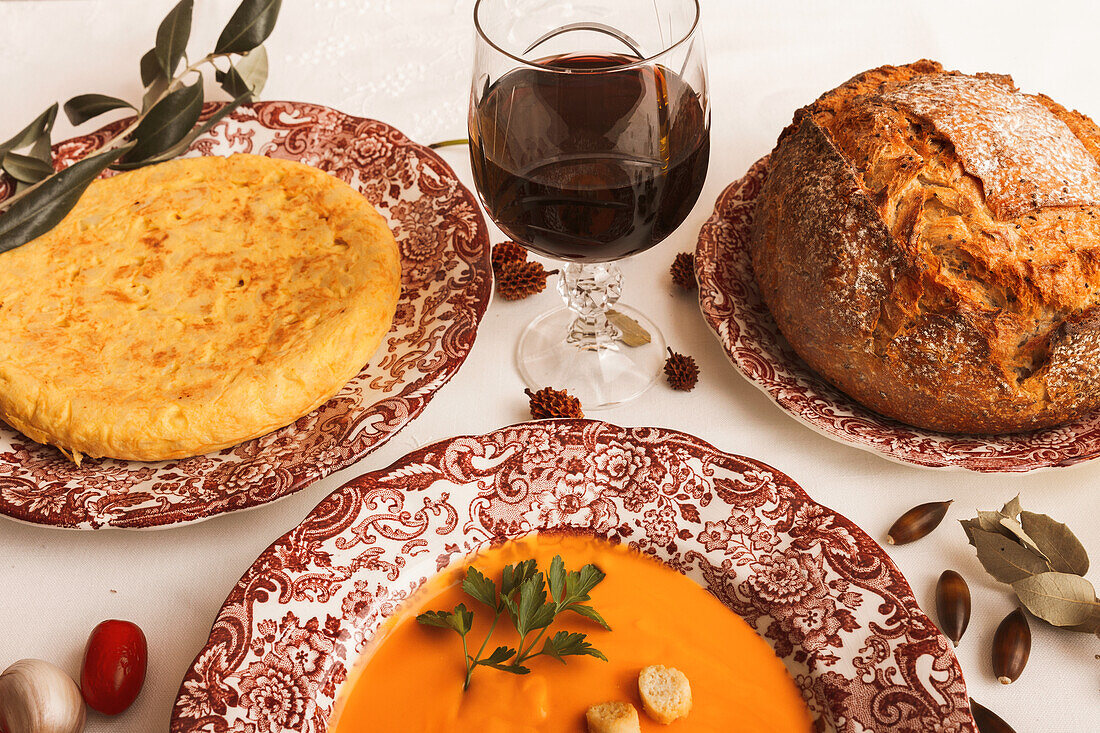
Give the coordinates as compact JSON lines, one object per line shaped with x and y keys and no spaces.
{"x":929,"y":242}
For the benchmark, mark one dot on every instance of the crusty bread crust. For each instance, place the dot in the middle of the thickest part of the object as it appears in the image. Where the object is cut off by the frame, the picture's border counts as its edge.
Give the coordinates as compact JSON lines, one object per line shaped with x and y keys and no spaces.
{"x":930,"y":243}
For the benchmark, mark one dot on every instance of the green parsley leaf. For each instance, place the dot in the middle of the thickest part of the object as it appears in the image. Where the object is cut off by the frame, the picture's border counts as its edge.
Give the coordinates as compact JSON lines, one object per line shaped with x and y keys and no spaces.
{"x":556,"y":578}
{"x":515,"y":575}
{"x":566,"y":644}
{"x":480,"y":588}
{"x":588,"y":612}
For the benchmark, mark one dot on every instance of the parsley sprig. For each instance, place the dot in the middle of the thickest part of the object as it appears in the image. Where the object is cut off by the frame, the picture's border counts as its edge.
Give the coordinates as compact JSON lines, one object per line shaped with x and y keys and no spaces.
{"x":523,"y":597}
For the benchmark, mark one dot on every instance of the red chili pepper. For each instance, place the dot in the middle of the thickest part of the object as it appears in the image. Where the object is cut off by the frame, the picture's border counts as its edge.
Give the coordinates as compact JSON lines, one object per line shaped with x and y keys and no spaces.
{"x":114,"y":666}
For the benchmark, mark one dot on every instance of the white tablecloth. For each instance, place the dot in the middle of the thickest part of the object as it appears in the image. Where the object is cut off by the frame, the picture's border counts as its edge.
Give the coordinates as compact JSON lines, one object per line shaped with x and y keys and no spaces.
{"x":406,"y":62}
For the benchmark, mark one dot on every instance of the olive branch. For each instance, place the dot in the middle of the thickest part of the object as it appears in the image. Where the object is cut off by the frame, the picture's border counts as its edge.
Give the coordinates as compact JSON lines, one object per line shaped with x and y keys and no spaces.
{"x":166,"y":124}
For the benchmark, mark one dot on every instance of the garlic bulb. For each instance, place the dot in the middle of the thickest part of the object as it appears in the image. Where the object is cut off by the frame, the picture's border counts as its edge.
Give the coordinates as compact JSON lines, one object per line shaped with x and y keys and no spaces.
{"x":37,"y":697}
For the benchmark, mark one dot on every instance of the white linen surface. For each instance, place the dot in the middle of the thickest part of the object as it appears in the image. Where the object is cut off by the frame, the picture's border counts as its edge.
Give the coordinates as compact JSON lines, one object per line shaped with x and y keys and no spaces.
{"x":407,"y":62}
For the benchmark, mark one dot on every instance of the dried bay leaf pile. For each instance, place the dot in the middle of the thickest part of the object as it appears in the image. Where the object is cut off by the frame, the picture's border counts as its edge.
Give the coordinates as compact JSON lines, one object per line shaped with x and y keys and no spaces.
{"x":1043,"y":562}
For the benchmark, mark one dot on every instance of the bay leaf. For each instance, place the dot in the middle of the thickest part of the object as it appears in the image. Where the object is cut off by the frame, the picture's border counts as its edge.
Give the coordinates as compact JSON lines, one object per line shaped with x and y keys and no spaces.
{"x":990,"y":521}
{"x":1060,"y":546}
{"x":1091,"y":625}
{"x":632,"y":332}
{"x":166,"y":123}
{"x":249,"y":26}
{"x":48,"y":203}
{"x":84,"y":107}
{"x":25,"y":168}
{"x":172,"y":36}
{"x":42,"y":124}
{"x":1063,"y":599}
{"x":1015,"y":529}
{"x":969,"y":525}
{"x":1005,"y":559}
{"x":1012,"y":508}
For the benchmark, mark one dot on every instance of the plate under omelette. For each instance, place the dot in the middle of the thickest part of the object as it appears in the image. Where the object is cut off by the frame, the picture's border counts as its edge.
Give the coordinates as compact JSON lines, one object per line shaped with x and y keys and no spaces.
{"x":190,"y":306}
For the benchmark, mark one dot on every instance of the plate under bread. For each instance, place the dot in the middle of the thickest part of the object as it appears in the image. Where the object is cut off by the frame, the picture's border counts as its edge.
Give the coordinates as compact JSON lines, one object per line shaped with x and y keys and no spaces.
{"x":738,"y":316}
{"x":445,"y":282}
{"x":819,"y":590}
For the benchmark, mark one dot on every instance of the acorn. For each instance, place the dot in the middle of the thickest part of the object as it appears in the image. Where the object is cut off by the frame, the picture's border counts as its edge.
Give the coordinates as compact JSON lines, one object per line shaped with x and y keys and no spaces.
{"x":549,"y":403}
{"x":518,"y":279}
{"x":918,"y":522}
{"x":987,"y":720}
{"x":507,"y":252}
{"x":1011,"y":647}
{"x":681,"y":371}
{"x":683,"y":271}
{"x":953,"y":605}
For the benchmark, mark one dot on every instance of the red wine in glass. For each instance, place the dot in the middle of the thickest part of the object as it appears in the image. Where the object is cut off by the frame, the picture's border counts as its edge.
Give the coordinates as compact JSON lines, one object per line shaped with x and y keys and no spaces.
{"x":592,"y":165}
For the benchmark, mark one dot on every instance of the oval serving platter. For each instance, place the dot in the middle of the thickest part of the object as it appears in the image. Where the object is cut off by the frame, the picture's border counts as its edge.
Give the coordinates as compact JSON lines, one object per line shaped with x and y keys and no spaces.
{"x":738,"y":316}
{"x":819,"y":590}
{"x":446,"y":285}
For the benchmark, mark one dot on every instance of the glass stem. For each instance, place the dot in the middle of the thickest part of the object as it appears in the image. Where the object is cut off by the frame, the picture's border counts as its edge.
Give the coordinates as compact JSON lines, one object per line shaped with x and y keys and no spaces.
{"x":590,"y":290}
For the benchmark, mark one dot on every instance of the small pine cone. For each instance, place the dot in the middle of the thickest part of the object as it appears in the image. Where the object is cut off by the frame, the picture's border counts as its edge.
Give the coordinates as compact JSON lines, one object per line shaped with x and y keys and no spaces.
{"x":547,"y":403}
{"x":683,"y":271}
{"x":681,"y":371}
{"x":507,"y":252}
{"x":517,"y":280}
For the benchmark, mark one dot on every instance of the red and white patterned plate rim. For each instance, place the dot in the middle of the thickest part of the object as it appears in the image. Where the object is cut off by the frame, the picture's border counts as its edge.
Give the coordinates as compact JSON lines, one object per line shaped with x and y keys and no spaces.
{"x":446,"y":285}
{"x":816,"y":587}
{"x":735,"y":312}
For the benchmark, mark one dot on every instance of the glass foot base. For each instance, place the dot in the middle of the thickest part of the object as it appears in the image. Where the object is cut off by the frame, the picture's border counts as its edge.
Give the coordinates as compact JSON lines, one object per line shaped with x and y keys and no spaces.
{"x":600,"y":378}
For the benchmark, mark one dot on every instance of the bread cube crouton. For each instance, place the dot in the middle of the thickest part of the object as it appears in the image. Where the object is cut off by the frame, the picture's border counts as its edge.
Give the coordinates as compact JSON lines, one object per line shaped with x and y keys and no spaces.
{"x":666,"y":694}
{"x":613,"y":717}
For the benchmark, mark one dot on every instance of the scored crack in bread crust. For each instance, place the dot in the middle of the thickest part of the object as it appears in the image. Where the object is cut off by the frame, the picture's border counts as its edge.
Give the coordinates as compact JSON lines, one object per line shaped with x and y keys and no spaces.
{"x":192,"y":305}
{"x":930,"y":243}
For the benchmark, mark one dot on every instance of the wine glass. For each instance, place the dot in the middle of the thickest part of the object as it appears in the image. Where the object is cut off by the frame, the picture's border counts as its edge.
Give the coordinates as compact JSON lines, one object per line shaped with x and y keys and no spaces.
{"x":589,"y":140}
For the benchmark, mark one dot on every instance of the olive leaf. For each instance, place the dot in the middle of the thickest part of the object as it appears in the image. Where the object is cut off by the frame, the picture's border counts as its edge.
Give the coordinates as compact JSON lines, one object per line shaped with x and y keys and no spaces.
{"x":166,"y":123}
{"x":151,"y":69}
{"x":44,"y":206}
{"x":247,"y":76}
{"x":1005,"y":559}
{"x":1063,"y":599}
{"x":250,"y":26}
{"x":184,"y":144}
{"x":172,"y":36}
{"x":41,"y":149}
{"x":84,"y":107}
{"x":41,"y":125}
{"x":1062,"y":549}
{"x":25,"y":168}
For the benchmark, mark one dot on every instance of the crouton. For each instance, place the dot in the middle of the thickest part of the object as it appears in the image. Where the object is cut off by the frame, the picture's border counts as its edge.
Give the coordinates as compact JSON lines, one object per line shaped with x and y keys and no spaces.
{"x":666,"y":694}
{"x":613,"y":717}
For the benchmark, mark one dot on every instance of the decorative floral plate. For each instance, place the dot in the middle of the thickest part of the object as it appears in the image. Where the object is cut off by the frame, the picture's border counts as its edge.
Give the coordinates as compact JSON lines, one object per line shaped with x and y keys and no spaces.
{"x":817,"y":588}
{"x":445,"y":289}
{"x":739,"y":318}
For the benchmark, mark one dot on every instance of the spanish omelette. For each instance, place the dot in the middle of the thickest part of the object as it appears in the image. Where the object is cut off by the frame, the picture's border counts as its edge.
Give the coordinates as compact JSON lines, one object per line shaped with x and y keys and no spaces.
{"x":189,"y":306}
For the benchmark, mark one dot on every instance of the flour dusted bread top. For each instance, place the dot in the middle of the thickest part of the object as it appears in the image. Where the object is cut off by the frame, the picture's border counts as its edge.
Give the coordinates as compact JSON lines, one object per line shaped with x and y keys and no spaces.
{"x":929,"y":241}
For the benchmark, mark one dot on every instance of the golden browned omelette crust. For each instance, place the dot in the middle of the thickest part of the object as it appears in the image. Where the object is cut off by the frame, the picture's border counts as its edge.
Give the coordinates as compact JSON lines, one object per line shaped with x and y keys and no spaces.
{"x":192,"y":305}
{"x":930,"y":243}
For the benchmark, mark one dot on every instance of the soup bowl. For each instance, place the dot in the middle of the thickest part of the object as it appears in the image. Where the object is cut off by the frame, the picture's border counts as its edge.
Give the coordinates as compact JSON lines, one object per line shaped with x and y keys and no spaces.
{"x":821,"y":592}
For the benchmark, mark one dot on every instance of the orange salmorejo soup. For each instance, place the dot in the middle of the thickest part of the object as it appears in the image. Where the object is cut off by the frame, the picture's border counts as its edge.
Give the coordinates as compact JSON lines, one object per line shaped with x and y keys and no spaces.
{"x":410,"y":677}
